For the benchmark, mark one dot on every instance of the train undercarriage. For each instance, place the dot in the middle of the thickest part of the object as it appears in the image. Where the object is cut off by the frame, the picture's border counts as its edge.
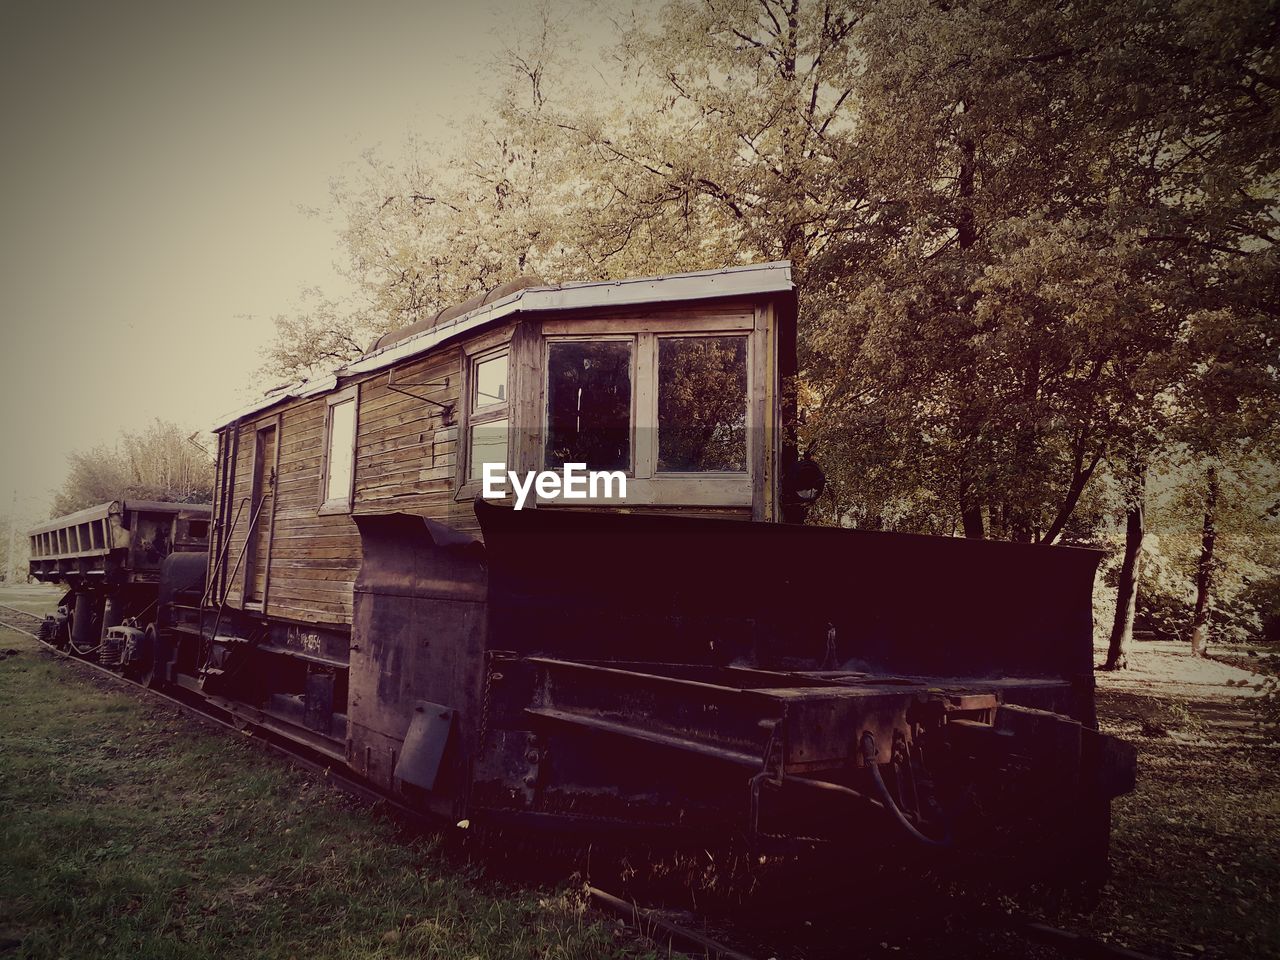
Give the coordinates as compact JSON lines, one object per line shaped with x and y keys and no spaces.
{"x":690,"y":679}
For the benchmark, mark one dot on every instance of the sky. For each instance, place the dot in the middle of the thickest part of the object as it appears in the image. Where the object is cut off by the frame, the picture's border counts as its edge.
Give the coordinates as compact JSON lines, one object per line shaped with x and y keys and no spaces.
{"x":157,"y":160}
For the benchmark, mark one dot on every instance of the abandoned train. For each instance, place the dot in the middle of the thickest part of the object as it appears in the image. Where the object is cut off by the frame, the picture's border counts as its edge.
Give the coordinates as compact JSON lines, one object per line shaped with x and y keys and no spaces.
{"x":685,"y":659}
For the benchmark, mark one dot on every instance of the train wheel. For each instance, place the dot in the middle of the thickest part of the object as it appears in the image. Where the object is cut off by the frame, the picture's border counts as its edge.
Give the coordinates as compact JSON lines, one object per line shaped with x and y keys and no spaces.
{"x":151,"y":670}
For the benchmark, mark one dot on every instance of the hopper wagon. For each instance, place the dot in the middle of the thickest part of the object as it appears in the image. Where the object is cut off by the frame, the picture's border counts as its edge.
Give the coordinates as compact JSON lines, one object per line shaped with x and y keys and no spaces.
{"x":112,"y":558}
{"x":689,"y":660}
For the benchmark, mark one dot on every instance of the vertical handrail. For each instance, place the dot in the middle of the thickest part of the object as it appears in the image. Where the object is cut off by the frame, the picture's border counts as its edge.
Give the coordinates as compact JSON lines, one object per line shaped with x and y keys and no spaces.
{"x":233,"y":456}
{"x":205,"y":648}
{"x":225,"y":547}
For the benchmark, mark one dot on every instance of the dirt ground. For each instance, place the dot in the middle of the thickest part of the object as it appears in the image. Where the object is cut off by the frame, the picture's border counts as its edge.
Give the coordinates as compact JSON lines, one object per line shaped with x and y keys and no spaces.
{"x":1196,"y":847}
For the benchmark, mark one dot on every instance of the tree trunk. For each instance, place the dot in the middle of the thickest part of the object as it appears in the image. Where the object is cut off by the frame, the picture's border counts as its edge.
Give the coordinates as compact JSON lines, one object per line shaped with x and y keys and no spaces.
{"x":966,"y":227}
{"x":967,"y":235}
{"x":1130,"y":571}
{"x":971,"y":516}
{"x":1204,"y":568}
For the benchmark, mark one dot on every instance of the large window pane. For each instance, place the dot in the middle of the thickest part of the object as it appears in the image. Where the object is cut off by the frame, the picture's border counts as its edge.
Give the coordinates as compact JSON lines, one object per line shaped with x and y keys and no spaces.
{"x":342,"y":428}
{"x":488,"y":445}
{"x":490,"y":382}
{"x":589,"y":404}
{"x":702,"y":404}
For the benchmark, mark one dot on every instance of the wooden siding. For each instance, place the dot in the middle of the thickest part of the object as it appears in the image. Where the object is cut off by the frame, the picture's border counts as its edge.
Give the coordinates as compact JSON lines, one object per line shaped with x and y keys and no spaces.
{"x":406,"y":455}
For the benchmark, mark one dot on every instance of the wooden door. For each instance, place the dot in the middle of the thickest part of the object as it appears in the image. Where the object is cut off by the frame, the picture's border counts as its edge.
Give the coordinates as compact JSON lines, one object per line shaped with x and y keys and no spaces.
{"x":264,"y":484}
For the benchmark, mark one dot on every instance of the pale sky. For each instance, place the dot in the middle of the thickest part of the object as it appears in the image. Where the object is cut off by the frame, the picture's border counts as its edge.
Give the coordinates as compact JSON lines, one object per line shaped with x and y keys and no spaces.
{"x":155,"y":157}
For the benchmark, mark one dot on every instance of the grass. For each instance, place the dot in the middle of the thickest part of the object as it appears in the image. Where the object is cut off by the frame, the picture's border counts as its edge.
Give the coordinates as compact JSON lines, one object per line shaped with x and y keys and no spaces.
{"x":38,"y":598}
{"x":128,"y":832}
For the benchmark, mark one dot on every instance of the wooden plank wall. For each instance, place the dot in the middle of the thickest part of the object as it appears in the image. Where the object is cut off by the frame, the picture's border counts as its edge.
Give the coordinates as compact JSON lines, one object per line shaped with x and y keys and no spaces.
{"x":406,"y":459}
{"x":405,"y":453}
{"x":313,"y":558}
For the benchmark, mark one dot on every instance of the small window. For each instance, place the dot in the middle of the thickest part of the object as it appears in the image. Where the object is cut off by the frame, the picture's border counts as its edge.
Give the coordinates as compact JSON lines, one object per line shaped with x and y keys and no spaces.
{"x":489,"y":383}
{"x":589,"y":404}
{"x":702,"y":404}
{"x":340,"y":452}
{"x":198,"y":529}
{"x":487,"y":417}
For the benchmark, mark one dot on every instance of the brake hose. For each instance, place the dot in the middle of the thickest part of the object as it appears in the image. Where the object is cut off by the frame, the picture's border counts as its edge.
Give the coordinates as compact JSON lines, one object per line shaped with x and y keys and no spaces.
{"x":890,"y":804}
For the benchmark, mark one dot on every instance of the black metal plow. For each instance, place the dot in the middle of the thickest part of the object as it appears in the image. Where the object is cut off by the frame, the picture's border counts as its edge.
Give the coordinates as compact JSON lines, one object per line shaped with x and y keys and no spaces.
{"x":797,"y":685}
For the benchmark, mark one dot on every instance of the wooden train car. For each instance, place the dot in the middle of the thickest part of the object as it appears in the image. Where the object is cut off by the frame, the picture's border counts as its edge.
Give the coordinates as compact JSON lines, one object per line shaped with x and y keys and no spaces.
{"x":679,"y":658}
{"x":529,"y":376}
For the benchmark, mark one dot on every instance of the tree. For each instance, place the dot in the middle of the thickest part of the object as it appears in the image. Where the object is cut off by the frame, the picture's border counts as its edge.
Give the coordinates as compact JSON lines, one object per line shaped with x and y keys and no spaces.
{"x":159,"y":462}
{"x":320,"y":335}
{"x":13,"y":533}
{"x":736,"y":143}
{"x":1044,"y":166}
{"x":1233,"y":502}
{"x":432,"y":227}
{"x":1225,"y":413}
{"x":1134,"y":485}
{"x":722,"y":141}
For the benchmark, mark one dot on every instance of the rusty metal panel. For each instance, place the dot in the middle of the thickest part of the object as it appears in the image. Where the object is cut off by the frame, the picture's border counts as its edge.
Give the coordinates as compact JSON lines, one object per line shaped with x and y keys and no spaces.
{"x":425,"y":745}
{"x":418,"y":635}
{"x":318,"y":699}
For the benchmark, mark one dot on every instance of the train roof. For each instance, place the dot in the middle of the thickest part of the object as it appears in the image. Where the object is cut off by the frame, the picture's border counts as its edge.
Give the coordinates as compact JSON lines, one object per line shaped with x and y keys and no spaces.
{"x":500,"y":292}
{"x":101,"y":510}
{"x":528,"y":295}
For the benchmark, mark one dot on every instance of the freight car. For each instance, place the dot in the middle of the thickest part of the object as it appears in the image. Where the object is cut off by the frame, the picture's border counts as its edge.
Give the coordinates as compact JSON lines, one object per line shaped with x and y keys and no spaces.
{"x":111,"y":558}
{"x":684,"y":659}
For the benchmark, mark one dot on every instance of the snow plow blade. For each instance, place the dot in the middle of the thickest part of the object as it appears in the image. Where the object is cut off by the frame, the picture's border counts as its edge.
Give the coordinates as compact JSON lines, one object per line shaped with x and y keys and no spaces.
{"x":798,"y":686}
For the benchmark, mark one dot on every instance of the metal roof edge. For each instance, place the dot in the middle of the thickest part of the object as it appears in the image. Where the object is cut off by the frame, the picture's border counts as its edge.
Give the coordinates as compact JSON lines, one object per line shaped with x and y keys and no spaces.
{"x":299,"y":391}
{"x":101,"y":510}
{"x":746,"y":280}
{"x":699,"y":285}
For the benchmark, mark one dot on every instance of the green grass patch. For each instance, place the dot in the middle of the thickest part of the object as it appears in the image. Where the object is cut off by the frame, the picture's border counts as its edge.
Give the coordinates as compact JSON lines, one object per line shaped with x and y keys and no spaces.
{"x":126,"y":831}
{"x":37,"y":598}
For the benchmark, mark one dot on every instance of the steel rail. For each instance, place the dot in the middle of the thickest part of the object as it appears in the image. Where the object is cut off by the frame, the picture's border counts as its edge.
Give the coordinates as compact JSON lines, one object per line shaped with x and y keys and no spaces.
{"x":665,"y":933}
{"x":24,"y":613}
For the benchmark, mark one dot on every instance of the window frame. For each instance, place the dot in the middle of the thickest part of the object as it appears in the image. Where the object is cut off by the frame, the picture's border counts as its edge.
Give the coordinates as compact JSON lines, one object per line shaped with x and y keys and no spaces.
{"x":327,"y":506}
{"x":545,"y":394}
{"x":747,"y":458}
{"x":473,"y":355}
{"x":479,"y":411}
{"x":645,"y":484}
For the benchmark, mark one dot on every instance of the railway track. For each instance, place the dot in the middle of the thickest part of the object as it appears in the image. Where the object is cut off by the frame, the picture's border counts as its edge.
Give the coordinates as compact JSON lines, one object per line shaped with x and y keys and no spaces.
{"x":670,"y":931}
{"x":20,"y":620}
